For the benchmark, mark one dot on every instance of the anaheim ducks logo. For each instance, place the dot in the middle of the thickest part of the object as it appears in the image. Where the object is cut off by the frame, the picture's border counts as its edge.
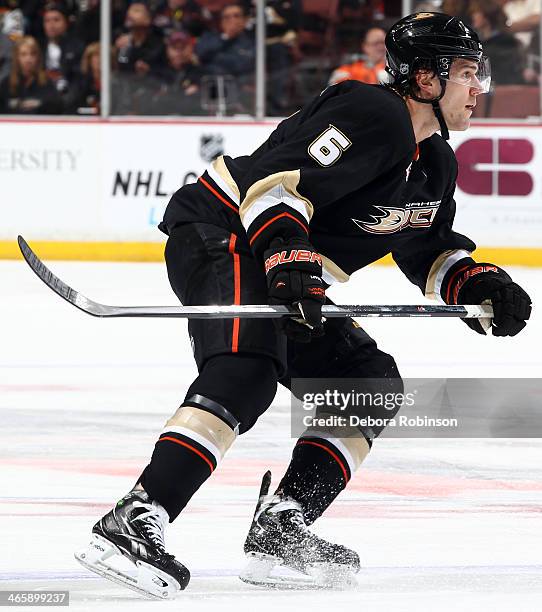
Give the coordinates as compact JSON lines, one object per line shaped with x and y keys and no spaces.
{"x":423,"y":15}
{"x":415,"y":214}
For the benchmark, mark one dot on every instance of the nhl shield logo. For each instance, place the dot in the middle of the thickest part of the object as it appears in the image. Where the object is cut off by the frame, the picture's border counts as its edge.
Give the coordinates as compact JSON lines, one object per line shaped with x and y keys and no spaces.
{"x":211,"y":146}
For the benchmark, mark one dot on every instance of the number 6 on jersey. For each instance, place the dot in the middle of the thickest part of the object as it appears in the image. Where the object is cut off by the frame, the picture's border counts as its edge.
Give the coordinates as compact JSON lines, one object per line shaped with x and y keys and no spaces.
{"x":329,"y":146}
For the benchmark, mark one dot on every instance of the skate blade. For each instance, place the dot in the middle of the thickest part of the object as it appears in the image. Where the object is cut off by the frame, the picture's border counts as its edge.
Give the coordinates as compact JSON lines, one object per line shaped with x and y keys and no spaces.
{"x":108,"y":560}
{"x":269,"y":571}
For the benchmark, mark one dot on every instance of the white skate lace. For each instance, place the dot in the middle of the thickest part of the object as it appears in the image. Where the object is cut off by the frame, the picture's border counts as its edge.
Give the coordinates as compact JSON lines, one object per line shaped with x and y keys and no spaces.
{"x":284,"y":504}
{"x":154,"y":521}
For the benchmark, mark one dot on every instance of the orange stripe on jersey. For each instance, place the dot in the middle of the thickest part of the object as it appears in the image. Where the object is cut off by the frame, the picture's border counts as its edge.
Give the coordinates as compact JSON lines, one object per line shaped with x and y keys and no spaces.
{"x":416,"y":153}
{"x":195,"y":450}
{"x":336,"y":457}
{"x":236,"y":291}
{"x":215,"y":193}
{"x":273,"y":220}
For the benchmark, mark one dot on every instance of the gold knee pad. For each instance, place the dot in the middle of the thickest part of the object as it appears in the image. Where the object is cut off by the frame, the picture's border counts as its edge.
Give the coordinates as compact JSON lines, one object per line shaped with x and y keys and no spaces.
{"x":204,"y":427}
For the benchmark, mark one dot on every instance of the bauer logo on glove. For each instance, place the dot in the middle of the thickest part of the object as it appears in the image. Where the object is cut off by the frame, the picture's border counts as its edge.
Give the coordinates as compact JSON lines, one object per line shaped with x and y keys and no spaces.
{"x":294,"y":278}
{"x":285,"y":257}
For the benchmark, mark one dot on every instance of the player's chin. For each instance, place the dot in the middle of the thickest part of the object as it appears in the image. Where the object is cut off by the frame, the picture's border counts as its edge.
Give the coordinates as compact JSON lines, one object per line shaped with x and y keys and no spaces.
{"x":460,"y":124}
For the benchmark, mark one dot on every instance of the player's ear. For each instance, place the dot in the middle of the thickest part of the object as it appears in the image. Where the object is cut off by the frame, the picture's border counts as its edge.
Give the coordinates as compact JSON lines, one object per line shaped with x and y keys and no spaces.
{"x":426,"y":83}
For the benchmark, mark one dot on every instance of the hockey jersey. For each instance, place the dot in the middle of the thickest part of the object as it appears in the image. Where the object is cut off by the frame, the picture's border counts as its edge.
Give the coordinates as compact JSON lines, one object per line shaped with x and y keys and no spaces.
{"x":346,"y":172}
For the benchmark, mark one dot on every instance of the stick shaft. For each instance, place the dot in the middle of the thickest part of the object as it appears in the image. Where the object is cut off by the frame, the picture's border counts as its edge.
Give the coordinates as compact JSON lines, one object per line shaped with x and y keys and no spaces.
{"x":252,"y":311}
{"x":263,"y":311}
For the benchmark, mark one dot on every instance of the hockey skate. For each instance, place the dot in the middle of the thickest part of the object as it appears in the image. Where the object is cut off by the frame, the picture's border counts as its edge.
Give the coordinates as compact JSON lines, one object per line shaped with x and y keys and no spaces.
{"x":282,"y":552}
{"x":127,"y":547}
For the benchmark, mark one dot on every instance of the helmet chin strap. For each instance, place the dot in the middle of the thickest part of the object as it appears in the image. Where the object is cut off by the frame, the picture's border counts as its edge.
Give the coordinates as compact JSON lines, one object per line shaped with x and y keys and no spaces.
{"x":440,"y":118}
{"x":436,"y":109}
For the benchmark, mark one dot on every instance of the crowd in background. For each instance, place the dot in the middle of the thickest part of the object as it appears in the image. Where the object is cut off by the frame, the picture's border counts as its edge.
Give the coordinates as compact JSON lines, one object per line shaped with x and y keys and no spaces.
{"x":188,"y":57}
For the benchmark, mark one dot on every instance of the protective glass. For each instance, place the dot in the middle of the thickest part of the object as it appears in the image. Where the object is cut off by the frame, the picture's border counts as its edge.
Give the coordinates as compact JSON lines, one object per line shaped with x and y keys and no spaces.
{"x":463,"y":71}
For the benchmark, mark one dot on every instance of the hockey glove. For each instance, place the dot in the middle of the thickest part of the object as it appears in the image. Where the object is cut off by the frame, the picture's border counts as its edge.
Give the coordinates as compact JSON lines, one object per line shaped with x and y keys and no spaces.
{"x":294,"y":278}
{"x":479,"y":283}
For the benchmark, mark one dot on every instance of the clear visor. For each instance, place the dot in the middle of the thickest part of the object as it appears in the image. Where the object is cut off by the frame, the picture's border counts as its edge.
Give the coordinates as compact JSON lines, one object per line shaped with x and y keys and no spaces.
{"x":468,"y":72}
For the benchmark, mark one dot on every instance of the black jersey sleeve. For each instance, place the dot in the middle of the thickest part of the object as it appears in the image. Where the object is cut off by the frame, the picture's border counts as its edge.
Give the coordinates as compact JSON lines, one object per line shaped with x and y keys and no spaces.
{"x":348,"y":137}
{"x":426,"y":259}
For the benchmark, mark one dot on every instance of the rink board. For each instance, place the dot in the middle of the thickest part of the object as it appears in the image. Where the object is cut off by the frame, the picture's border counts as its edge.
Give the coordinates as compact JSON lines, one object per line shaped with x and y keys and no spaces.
{"x":97,"y":189}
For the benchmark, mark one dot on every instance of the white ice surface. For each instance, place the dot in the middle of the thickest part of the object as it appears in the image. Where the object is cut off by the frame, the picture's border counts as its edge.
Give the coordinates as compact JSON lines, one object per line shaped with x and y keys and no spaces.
{"x":439,"y":524}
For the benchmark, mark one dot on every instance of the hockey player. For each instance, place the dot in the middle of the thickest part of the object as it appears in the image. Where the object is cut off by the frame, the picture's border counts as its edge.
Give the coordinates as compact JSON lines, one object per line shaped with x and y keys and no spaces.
{"x":357,"y":173}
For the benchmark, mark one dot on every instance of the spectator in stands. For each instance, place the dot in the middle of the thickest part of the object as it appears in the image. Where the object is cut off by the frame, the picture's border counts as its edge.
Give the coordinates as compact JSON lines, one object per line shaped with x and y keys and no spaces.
{"x":369,"y":69}
{"x":27,"y":89}
{"x":90,"y":81}
{"x":180,"y":78}
{"x":505,"y":52}
{"x":230,"y":51}
{"x":89,"y":92}
{"x":185,"y":15}
{"x":62,"y":52}
{"x":141,"y":50}
{"x":181,"y":70}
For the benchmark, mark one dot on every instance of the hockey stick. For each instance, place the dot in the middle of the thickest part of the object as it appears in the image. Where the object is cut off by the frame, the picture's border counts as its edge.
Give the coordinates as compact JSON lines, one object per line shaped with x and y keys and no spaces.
{"x":229,"y":312}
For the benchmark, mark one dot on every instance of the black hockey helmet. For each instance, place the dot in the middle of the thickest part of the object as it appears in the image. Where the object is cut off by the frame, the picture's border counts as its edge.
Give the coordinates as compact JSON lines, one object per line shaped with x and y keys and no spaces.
{"x":432,"y":41}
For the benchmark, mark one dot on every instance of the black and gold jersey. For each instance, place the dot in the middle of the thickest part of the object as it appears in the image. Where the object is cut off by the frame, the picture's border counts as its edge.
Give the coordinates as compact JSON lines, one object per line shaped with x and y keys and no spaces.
{"x":345,"y":171}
